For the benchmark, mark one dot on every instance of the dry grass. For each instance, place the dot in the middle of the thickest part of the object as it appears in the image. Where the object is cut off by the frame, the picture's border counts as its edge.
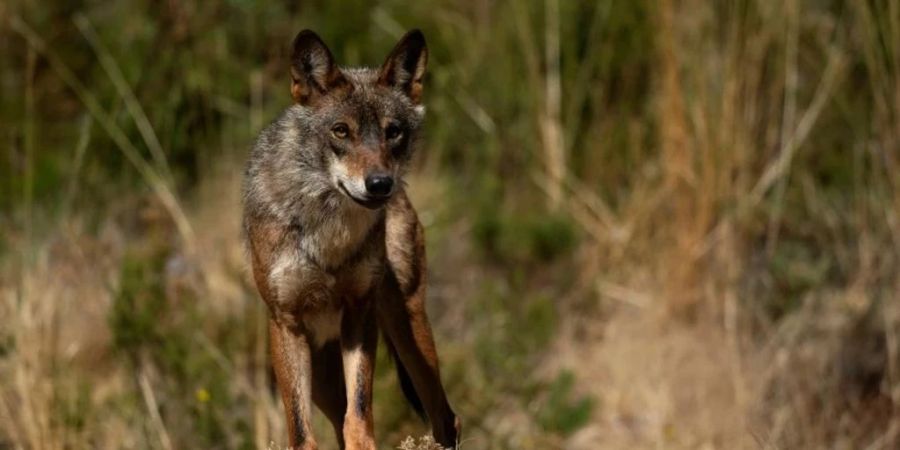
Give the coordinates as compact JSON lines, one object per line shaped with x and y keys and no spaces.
{"x":683,"y":354}
{"x":730,"y":171}
{"x":423,"y":443}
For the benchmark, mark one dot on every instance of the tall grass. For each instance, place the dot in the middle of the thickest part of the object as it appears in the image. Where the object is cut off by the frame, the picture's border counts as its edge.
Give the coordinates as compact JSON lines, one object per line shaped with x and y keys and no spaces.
{"x":651,"y":224}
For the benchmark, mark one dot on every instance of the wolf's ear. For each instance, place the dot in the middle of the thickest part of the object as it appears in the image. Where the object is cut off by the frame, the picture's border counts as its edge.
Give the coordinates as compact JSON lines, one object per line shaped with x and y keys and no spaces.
{"x":405,"y":66}
{"x":313,"y":72}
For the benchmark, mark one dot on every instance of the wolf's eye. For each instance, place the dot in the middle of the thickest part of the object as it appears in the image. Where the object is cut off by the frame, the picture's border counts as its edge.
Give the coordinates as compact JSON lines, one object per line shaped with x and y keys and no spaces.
{"x":340,"y":131}
{"x":392,"y":132}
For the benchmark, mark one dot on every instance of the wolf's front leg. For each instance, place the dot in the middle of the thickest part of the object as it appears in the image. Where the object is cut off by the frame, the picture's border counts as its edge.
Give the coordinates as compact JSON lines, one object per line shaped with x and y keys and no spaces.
{"x":293,"y":372}
{"x":359,"y":340}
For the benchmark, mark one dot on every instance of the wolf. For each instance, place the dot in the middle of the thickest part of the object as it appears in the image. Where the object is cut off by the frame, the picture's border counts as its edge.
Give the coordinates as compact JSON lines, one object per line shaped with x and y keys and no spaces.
{"x":336,"y":248}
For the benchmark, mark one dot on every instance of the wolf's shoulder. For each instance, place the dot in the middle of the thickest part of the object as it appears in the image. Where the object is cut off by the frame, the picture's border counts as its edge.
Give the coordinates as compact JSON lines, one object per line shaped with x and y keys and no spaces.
{"x":286,"y":127}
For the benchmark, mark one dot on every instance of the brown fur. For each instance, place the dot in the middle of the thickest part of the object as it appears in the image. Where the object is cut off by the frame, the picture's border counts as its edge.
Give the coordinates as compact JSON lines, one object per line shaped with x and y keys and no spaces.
{"x":332,"y":263}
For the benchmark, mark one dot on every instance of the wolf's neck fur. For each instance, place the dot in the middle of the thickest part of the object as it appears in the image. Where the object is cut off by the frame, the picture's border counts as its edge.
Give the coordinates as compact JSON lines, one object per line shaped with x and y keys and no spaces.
{"x":335,"y":238}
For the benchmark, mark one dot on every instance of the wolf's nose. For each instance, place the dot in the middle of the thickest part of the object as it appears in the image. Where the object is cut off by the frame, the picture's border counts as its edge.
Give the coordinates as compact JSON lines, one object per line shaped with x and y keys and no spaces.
{"x":379,"y":185}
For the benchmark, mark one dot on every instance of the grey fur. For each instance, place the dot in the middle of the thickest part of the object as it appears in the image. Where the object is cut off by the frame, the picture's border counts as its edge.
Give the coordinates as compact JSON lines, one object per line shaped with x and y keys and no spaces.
{"x":296,"y":170}
{"x":331,"y":234}
{"x":287,"y":177}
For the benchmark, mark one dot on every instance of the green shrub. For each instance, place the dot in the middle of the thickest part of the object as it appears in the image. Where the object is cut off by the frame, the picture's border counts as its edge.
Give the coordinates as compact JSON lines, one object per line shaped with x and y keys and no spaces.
{"x":562,"y":412}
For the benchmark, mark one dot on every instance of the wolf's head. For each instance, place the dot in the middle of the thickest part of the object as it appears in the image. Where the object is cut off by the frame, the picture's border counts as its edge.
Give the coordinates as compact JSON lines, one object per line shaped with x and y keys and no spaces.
{"x":363,"y":122}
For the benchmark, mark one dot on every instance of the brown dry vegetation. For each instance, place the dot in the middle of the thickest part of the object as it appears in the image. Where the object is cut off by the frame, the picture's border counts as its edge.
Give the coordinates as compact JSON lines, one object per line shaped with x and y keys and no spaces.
{"x":651,"y":224}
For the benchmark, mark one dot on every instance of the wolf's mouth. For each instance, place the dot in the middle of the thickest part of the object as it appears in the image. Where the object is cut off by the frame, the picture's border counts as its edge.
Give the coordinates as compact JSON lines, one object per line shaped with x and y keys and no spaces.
{"x":371,"y":203}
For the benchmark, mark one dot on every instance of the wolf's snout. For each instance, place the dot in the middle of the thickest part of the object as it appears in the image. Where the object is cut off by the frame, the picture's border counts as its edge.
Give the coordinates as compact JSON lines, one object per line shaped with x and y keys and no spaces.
{"x":379,"y":185}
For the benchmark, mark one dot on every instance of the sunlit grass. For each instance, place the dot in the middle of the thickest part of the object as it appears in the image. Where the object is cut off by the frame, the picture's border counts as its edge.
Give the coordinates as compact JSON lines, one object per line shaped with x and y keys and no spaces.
{"x":650,"y":224}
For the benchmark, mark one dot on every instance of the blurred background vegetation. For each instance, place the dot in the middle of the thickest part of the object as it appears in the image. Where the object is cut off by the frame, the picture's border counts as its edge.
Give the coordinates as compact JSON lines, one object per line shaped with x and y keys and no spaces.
{"x":651,"y":224}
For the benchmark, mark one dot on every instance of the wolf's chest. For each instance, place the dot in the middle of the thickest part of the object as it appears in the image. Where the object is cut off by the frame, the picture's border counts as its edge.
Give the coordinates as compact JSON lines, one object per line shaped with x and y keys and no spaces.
{"x":340,"y":262}
{"x":338,"y":240}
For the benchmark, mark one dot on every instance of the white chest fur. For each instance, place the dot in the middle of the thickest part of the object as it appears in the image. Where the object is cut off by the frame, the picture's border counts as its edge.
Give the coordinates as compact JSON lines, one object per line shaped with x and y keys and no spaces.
{"x":338,"y":236}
